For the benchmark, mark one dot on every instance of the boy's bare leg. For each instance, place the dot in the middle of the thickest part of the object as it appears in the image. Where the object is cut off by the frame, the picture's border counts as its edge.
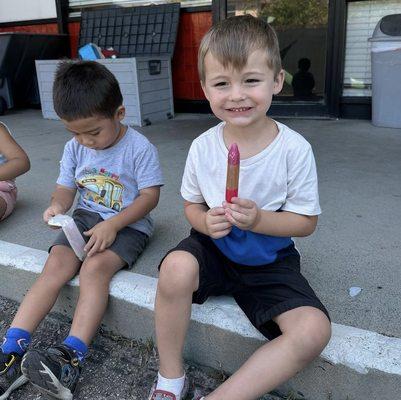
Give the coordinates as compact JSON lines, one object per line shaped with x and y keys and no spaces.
{"x":306,"y":332}
{"x":178,"y":279}
{"x":94,"y":281}
{"x":61,"y":266}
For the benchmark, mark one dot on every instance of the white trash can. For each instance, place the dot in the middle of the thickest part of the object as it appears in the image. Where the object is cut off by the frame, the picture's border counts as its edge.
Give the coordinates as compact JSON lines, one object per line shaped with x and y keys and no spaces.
{"x":386,"y":72}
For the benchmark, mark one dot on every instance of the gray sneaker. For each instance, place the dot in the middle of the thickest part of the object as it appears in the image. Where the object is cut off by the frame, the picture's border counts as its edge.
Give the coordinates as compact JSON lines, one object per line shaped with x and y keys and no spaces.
{"x":156,"y":394}
{"x":54,"y":371}
{"x":11,"y":377}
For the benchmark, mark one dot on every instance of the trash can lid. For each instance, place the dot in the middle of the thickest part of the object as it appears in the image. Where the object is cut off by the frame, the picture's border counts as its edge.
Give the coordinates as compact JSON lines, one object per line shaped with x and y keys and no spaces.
{"x":132,"y":31}
{"x":387,"y":29}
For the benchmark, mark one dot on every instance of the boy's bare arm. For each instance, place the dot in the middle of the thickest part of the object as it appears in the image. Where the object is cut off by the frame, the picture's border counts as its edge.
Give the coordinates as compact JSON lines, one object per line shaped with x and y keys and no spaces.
{"x":142,"y":205}
{"x":61,"y":201}
{"x":246,"y":215}
{"x":209,"y":221}
{"x":196,"y":215}
{"x":17,"y":160}
{"x":103,"y":234}
{"x":285,"y":223}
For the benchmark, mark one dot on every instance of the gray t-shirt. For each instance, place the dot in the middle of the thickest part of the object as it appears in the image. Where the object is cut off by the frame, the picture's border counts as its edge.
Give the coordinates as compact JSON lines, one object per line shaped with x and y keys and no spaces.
{"x":109,"y":180}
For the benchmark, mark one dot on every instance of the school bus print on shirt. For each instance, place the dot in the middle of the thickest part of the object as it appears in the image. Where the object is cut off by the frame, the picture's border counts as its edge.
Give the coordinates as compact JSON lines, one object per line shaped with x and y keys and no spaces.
{"x":102,"y":188}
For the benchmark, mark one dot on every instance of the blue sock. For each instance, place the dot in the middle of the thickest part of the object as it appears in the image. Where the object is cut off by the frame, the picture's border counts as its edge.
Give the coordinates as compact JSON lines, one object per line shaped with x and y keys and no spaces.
{"x":78,"y":346}
{"x":16,"y":341}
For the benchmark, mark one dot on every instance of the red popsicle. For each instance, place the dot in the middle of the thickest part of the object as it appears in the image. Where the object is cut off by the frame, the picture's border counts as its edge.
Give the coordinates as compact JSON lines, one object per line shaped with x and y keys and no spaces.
{"x":232,"y":172}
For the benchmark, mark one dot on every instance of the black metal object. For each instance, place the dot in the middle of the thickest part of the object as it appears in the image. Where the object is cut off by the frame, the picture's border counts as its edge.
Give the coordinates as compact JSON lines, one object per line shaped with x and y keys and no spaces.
{"x":219,"y":10}
{"x":132,"y":31}
{"x":3,"y":105}
{"x":335,"y":56}
{"x":18,"y":52}
{"x":62,"y":15}
{"x":356,"y":107}
{"x":43,"y":21}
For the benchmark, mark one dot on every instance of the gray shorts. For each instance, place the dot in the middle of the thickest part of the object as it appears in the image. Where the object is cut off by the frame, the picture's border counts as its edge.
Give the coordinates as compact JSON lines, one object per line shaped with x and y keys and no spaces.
{"x":129,"y":242}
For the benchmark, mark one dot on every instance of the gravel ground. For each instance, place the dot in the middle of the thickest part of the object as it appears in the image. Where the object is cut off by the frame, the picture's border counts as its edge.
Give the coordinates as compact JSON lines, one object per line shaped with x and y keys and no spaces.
{"x":115,"y":368}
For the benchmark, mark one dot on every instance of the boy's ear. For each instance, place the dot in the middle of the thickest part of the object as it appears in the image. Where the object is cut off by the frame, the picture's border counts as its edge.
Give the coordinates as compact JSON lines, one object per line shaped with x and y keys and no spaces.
{"x":278,"y":82}
{"x":204,"y":89}
{"x":120,"y":113}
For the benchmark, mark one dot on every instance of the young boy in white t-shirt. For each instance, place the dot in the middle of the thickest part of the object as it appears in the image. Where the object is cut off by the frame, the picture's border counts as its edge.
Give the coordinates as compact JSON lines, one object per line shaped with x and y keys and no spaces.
{"x":244,"y":248}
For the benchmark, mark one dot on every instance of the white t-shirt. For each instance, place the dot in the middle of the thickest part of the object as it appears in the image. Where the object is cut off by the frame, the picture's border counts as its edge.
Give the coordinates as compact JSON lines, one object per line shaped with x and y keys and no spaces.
{"x":282,"y":177}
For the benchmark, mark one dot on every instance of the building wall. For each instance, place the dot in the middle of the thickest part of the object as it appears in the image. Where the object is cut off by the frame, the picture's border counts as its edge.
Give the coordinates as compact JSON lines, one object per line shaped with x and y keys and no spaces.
{"x":192,"y":27}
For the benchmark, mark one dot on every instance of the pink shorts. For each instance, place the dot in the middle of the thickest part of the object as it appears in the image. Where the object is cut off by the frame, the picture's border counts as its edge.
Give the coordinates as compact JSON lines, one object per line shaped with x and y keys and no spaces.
{"x":8,"y":192}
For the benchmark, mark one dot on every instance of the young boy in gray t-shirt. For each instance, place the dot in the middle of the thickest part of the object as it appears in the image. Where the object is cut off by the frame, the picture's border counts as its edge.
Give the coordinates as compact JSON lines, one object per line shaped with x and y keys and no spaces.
{"x":117,"y":175}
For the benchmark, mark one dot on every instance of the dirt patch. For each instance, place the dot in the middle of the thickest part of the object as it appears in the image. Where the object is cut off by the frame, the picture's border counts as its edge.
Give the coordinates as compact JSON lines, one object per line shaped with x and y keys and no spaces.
{"x":115,"y":368}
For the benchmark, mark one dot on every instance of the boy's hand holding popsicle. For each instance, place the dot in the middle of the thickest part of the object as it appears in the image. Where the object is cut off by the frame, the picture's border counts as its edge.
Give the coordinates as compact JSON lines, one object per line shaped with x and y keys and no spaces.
{"x":217,"y":225}
{"x":242,"y":213}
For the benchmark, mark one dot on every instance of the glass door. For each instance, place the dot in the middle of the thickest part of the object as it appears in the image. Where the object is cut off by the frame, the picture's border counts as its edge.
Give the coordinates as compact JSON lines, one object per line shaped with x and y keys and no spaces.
{"x":301,"y":26}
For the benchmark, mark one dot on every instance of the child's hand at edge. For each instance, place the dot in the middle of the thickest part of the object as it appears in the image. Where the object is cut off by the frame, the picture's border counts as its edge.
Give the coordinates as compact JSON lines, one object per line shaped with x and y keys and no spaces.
{"x":102,"y":235}
{"x":51,"y":211}
{"x":242,"y":213}
{"x":216,"y":223}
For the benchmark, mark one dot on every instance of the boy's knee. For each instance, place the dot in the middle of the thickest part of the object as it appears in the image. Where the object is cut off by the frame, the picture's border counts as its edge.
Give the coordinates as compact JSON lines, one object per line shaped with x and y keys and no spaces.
{"x":91,"y":269}
{"x":179,"y":274}
{"x":61,"y":262}
{"x":311,"y":334}
{"x":315,"y":333}
{"x":54,"y":263}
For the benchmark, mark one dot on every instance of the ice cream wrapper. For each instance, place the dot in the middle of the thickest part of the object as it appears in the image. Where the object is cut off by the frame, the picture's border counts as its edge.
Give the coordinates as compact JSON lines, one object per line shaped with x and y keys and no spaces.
{"x":72,"y":233}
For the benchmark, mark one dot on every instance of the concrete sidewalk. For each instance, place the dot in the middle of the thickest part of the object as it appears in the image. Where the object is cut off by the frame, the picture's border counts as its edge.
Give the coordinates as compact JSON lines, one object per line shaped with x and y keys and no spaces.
{"x":356,"y":243}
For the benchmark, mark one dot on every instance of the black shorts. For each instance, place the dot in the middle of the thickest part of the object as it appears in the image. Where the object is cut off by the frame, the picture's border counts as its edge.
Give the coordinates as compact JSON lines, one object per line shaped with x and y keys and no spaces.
{"x":128,"y":244}
{"x":262,"y":292}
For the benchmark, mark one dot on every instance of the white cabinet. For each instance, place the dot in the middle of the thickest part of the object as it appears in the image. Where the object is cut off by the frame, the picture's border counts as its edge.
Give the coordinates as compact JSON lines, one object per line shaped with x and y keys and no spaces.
{"x":145,"y":84}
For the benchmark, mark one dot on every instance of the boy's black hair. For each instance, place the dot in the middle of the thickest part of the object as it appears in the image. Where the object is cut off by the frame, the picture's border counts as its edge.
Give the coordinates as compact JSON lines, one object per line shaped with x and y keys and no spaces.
{"x":84,"y":89}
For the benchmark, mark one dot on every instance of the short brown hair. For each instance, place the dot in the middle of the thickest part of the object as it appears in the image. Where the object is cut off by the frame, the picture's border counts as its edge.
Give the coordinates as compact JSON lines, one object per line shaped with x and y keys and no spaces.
{"x":232,"y":40}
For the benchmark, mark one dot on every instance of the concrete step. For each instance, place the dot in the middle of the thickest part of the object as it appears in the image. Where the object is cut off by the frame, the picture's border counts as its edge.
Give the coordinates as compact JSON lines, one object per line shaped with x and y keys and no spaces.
{"x":356,"y":365}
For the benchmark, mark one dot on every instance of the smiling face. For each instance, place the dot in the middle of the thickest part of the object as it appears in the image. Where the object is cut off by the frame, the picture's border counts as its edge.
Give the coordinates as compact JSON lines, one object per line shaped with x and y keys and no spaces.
{"x":97,"y":133}
{"x":241,"y":98}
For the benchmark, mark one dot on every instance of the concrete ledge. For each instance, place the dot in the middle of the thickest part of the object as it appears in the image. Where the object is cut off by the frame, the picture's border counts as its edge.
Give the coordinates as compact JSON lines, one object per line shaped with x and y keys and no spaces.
{"x":357,"y":363}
